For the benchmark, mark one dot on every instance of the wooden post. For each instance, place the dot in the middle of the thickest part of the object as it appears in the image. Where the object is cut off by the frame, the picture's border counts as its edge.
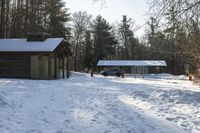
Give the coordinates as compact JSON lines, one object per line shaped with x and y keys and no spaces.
{"x":49,"y":67}
{"x":135,"y":71}
{"x":67,"y":66}
{"x":55,"y":65}
{"x":91,"y":72}
{"x":122,"y":73}
{"x":63,"y":67}
{"x":190,"y":77}
{"x":143,"y":71}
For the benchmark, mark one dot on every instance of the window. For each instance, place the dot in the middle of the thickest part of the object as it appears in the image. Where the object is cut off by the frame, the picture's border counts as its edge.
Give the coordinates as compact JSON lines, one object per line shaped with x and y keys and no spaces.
{"x":14,"y":58}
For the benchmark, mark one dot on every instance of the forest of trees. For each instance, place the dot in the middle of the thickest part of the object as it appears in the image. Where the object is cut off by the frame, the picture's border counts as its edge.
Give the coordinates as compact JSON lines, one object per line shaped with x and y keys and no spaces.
{"x":18,"y":17}
{"x":96,"y":39}
{"x":175,"y":33}
{"x":172,"y":32}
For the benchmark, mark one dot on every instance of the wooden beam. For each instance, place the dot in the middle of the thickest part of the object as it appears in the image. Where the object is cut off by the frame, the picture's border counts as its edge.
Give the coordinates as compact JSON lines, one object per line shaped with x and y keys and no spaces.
{"x":143,"y":71}
{"x":135,"y":71}
{"x":49,"y":67}
{"x":63,"y":67}
{"x":25,"y":53}
{"x":68,"y":66}
{"x":55,"y":65}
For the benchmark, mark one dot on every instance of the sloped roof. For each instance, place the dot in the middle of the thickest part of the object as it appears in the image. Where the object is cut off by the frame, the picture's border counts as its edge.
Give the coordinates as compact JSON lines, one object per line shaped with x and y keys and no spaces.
{"x":22,"y":45}
{"x":131,"y":63}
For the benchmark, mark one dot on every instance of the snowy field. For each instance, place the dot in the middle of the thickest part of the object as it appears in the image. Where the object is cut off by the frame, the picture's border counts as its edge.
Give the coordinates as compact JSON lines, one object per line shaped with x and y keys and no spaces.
{"x":156,"y":104}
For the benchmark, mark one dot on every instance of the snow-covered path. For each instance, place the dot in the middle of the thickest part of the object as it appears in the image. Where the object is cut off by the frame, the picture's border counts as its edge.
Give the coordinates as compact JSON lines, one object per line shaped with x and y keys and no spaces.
{"x":99,"y":105}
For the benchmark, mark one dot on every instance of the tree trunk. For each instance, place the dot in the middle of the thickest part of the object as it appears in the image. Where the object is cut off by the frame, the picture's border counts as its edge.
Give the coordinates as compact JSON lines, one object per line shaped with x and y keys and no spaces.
{"x":2,"y":24}
{"x":76,"y":53}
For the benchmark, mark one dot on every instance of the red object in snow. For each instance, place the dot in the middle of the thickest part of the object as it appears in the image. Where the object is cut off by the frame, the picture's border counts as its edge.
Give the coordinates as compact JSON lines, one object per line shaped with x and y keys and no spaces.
{"x":122,"y":74}
{"x":91,"y":72}
{"x":190,"y":77}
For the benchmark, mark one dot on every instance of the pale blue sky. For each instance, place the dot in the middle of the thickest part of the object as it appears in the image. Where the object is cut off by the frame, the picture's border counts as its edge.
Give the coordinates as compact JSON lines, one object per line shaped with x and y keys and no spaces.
{"x":113,"y":9}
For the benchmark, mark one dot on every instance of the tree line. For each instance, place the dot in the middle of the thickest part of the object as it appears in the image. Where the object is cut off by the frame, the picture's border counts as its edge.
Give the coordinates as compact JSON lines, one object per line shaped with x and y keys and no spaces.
{"x":172,"y":32}
{"x":175,"y":33}
{"x":18,"y":17}
{"x":96,"y":39}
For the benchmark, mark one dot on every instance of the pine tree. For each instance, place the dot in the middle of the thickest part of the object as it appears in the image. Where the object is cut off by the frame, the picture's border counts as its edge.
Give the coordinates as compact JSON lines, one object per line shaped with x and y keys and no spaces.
{"x":130,"y":46}
{"x":18,"y":17}
{"x":125,"y":35}
{"x":104,"y":40}
{"x":88,"y":50}
{"x":2,"y":18}
{"x":58,"y":17}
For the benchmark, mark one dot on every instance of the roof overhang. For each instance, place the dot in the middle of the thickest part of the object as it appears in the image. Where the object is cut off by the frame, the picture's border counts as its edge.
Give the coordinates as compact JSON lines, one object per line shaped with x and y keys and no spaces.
{"x":22,"y":46}
{"x":150,"y":63}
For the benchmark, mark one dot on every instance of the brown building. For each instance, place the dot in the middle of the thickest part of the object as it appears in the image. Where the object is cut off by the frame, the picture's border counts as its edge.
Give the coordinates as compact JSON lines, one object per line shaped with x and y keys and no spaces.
{"x":37,"y":57}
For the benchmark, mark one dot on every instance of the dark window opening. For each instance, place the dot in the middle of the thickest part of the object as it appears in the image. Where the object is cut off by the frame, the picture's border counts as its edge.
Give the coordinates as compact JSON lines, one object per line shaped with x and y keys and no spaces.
{"x":14,"y":58}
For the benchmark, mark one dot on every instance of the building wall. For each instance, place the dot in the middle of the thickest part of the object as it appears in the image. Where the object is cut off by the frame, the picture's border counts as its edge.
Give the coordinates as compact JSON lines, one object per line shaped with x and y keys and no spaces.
{"x":132,"y":70}
{"x":52,"y":62}
{"x":58,"y":74}
{"x":34,"y":67}
{"x":40,"y":67}
{"x":139,"y":70}
{"x":30,"y":66}
{"x":43,"y":67}
{"x":14,"y":66}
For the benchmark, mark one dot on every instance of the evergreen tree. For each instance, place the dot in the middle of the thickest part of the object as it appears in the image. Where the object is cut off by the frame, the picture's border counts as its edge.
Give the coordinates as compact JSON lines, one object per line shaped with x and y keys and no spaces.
{"x":104,"y":40}
{"x":88,"y":50}
{"x":57,"y":18}
{"x":130,"y":46}
{"x":18,"y":17}
{"x":125,"y":35}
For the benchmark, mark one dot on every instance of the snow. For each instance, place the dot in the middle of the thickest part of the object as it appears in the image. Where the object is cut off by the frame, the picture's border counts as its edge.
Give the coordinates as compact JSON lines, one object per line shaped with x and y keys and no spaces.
{"x":156,"y":104}
{"x":131,"y":63}
{"x":22,"y":45}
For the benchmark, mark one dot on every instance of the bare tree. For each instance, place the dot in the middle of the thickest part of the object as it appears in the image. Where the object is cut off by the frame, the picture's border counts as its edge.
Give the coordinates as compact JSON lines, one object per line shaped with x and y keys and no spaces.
{"x":2,"y":16}
{"x":180,"y":23}
{"x":160,"y":7}
{"x":81,"y":21}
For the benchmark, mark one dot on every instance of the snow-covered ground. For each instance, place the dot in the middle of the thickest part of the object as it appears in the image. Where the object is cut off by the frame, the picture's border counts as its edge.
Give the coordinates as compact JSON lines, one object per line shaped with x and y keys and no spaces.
{"x":156,"y":104}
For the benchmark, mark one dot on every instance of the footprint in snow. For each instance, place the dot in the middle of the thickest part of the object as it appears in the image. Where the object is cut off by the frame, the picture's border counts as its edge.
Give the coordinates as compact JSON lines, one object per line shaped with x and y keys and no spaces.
{"x":42,"y":112}
{"x":94,"y":120}
{"x":113,"y":125}
{"x":1,"y":126}
{"x":100,"y":113}
{"x":67,"y":121}
{"x":19,"y":123}
{"x":131,"y":119}
{"x":64,"y":112}
{"x":31,"y":131}
{"x":170,"y":119}
{"x":67,"y":124}
{"x":133,"y":131}
{"x":61,"y":132}
{"x":115,"y":116}
{"x":98,"y":122}
{"x":108,"y":131}
{"x":45,"y":107}
{"x":45,"y":120}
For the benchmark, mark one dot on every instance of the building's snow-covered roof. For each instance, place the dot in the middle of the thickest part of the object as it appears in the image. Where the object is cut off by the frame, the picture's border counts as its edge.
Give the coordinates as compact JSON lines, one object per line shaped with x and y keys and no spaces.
{"x":22,"y":45}
{"x":131,"y":63}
